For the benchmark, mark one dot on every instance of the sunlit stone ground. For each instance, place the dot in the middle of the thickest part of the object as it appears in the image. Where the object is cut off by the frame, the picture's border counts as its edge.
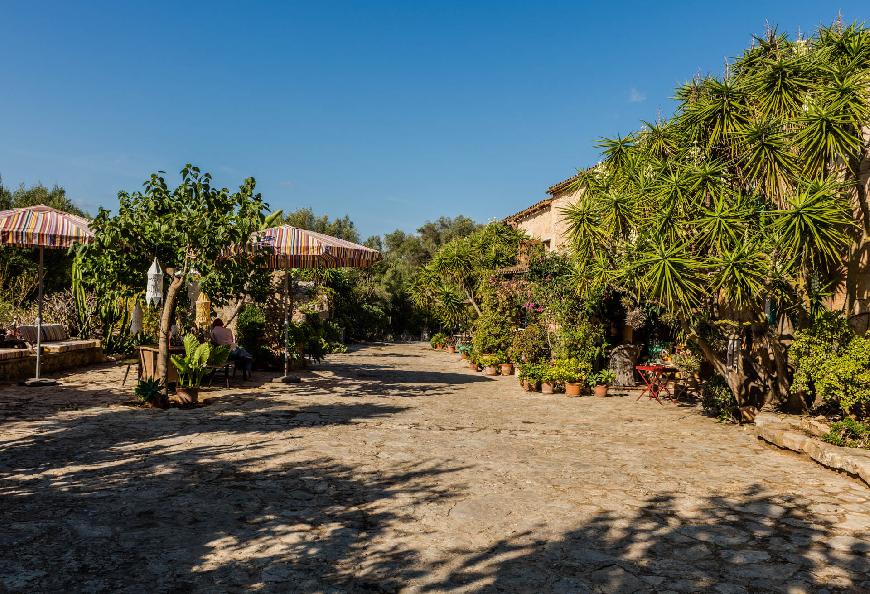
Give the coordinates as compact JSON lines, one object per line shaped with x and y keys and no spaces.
{"x":394,"y":468}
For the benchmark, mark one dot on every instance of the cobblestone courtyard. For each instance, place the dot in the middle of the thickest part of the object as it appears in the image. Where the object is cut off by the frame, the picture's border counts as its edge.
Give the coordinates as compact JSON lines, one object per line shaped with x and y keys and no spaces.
{"x":395,"y":469}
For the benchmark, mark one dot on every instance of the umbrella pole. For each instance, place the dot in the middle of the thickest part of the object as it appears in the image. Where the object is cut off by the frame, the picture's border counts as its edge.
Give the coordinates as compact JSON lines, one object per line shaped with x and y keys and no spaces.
{"x":288,"y":306}
{"x":39,"y":315}
{"x":286,"y":322}
{"x":38,"y":380}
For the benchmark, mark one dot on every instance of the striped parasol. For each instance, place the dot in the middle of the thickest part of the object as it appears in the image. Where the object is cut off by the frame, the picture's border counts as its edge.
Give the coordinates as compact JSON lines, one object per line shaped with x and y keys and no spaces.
{"x":290,"y":247}
{"x":42,"y":226}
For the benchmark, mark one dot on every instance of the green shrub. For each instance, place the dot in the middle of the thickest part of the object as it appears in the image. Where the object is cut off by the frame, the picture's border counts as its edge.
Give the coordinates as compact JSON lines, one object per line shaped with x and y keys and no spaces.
{"x":602,"y":378}
{"x":832,"y":364}
{"x":572,"y":370}
{"x":492,"y":333}
{"x":533,"y":372}
{"x":718,"y":400}
{"x":849,"y":433}
{"x":251,"y":334}
{"x":529,"y":345}
{"x":582,"y":339}
{"x":438,"y":340}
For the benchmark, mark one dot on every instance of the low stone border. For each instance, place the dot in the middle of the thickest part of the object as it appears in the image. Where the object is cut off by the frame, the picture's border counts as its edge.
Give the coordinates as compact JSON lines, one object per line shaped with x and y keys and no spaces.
{"x":801,"y":435}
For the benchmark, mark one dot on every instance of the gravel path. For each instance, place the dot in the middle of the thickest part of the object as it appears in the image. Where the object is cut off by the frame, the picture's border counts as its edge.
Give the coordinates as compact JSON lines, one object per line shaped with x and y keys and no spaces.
{"x":395,"y":469}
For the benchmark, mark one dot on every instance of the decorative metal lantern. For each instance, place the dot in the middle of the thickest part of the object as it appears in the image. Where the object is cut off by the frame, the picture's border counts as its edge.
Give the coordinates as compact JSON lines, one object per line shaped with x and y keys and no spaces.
{"x":136,"y":320}
{"x":203,"y":311}
{"x":154,"y":290}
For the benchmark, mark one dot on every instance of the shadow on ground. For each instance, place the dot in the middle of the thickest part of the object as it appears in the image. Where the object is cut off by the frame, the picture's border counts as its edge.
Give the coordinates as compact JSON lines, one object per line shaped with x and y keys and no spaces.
{"x":119,"y":500}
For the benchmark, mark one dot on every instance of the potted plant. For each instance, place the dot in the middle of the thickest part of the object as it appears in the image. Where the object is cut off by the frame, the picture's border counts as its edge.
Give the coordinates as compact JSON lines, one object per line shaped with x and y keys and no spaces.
{"x":599,"y":381}
{"x":549,"y":378}
{"x":450,"y":344}
{"x":194,"y":365}
{"x":490,"y":364}
{"x":504,"y":364}
{"x":530,"y":374}
{"x":438,"y":341}
{"x":573,"y":372}
{"x":150,"y":393}
{"x":464,"y":350}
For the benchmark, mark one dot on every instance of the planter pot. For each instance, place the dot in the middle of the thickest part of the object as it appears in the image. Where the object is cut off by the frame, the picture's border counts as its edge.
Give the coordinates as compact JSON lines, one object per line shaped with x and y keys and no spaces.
{"x":187,"y":396}
{"x":572,"y":389}
{"x":463,"y":356}
{"x":530,"y":386}
{"x":451,"y":349}
{"x":507,"y":368}
{"x":601,"y":391}
{"x":547,"y":388}
{"x":472,"y":366}
{"x":490,"y":370}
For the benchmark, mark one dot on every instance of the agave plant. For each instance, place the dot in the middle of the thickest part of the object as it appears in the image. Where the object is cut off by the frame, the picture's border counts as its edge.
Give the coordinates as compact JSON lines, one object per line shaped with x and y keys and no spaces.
{"x":198,"y":358}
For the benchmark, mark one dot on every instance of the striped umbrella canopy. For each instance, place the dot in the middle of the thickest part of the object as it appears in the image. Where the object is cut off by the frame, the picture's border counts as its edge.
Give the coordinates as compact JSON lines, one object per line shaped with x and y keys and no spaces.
{"x":42,"y":226}
{"x":290,"y":247}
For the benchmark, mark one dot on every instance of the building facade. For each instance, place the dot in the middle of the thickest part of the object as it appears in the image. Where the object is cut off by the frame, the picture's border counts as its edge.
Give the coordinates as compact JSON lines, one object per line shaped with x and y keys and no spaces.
{"x":544,"y":220}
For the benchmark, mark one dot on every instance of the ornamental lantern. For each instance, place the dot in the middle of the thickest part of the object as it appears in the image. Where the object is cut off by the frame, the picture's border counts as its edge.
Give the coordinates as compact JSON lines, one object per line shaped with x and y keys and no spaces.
{"x":154,"y":290}
{"x":136,"y":320}
{"x":203,"y":311}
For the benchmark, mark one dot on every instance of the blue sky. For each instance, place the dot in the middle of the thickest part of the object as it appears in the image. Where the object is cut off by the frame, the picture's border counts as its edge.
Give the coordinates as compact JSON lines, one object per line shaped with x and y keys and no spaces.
{"x":391,"y":112}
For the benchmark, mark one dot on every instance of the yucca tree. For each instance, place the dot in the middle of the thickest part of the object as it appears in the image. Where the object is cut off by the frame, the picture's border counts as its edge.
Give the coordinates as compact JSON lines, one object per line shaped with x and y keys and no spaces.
{"x":741,"y":201}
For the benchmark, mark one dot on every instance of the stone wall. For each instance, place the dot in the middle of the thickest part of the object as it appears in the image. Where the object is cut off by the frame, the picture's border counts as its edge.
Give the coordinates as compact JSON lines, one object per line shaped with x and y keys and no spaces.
{"x":18,"y":369}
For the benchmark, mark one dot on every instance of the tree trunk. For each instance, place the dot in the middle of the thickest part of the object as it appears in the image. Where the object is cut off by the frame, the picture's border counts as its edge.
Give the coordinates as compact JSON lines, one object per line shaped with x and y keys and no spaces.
{"x":235,"y":312}
{"x":165,"y":327}
{"x":473,"y":302}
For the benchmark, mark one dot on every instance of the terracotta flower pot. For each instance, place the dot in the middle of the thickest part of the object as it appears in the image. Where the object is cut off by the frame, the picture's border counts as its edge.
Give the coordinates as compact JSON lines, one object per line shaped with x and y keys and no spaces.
{"x":490,"y":370}
{"x":507,"y":368}
{"x":187,"y":396}
{"x":547,"y":388}
{"x":451,"y":349}
{"x":601,"y":390}
{"x":472,"y":366}
{"x":464,"y":356}
{"x":572,"y":389}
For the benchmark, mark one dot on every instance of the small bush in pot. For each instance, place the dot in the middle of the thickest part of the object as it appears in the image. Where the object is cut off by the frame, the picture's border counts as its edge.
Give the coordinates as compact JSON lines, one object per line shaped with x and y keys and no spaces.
{"x":194,"y":365}
{"x":600,"y":381}
{"x":438,"y":340}
{"x":490,"y":364}
{"x":549,"y":379}
{"x":464,"y":350}
{"x":531,"y":374}
{"x":573,"y":373}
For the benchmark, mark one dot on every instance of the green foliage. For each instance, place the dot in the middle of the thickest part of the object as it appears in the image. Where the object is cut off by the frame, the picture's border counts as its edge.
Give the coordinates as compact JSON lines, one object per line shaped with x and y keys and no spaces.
{"x":718,"y":400}
{"x":605,"y":377}
{"x":438,"y":340}
{"x":198,"y":357}
{"x":570,"y":370}
{"x":583,"y":339}
{"x":251,"y":333}
{"x":533,"y":372}
{"x":530,"y":345}
{"x":492,"y":333}
{"x":149,"y":390}
{"x":743,"y":200}
{"x":190,"y":226}
{"x":833,"y":364}
{"x":849,"y":433}
{"x":492,"y":360}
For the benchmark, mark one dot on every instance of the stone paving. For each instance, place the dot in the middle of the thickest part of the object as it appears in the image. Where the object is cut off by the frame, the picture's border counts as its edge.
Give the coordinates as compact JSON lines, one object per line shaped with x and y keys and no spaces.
{"x":395,"y":469}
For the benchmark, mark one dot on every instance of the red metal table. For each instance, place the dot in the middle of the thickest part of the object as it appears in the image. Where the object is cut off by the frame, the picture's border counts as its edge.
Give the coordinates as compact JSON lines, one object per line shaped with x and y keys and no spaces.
{"x":656,"y":379}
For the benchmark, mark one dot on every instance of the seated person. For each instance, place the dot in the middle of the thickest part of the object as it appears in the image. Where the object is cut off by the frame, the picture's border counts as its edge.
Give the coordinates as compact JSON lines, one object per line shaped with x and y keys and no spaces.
{"x":222,"y":335}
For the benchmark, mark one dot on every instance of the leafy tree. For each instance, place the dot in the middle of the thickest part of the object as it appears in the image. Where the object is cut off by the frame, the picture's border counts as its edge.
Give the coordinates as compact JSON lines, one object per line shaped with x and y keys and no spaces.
{"x":740,"y":205}
{"x":189,"y":228}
